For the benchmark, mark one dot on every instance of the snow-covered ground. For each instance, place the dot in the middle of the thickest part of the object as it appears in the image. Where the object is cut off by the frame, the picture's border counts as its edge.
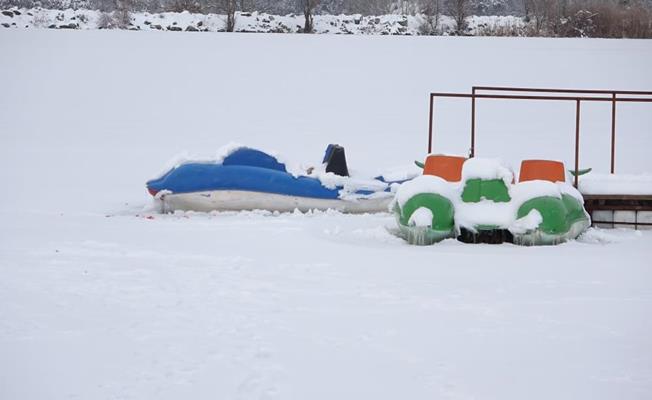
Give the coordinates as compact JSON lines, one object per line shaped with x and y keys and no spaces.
{"x":390,"y":24}
{"x":101,"y":299}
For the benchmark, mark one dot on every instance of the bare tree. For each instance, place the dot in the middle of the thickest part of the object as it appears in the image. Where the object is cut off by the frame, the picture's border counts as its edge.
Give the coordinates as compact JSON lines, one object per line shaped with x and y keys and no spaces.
{"x":230,"y":7}
{"x":459,"y":10}
{"x":537,"y":10}
{"x":546,"y":15}
{"x":431,"y":10}
{"x":308,"y":7}
{"x":185,"y":5}
{"x":122,"y":13}
{"x":526,"y":9}
{"x":105,"y":21}
{"x":403,"y":7}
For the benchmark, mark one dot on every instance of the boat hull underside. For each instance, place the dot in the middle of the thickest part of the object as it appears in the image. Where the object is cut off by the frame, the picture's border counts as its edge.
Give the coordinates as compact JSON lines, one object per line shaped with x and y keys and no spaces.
{"x":236,"y":200}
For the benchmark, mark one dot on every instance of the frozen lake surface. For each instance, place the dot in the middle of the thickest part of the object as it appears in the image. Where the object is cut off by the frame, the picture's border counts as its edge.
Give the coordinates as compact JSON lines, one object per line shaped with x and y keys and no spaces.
{"x":102,"y":299}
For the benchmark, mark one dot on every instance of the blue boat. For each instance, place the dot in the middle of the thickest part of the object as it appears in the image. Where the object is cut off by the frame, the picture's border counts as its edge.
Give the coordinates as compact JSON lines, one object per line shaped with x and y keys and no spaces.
{"x":249,"y":179}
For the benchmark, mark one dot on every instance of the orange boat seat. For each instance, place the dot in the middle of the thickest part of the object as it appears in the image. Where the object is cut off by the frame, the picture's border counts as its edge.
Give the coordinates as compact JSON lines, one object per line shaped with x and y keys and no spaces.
{"x":448,"y":168}
{"x":545,"y":170}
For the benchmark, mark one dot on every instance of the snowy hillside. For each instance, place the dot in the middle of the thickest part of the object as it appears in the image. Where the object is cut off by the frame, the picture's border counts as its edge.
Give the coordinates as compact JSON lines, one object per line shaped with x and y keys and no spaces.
{"x":277,"y":7}
{"x":247,"y":22}
{"x":101,"y":298}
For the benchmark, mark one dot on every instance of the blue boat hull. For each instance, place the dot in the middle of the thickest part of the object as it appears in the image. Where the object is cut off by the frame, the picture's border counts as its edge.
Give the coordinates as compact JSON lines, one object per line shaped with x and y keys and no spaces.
{"x":250,"y":179}
{"x":189,"y":178}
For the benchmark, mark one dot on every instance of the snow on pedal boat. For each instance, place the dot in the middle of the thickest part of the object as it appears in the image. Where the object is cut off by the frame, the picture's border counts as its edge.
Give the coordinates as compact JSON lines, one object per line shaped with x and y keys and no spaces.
{"x":476,"y":200}
{"x":249,"y":179}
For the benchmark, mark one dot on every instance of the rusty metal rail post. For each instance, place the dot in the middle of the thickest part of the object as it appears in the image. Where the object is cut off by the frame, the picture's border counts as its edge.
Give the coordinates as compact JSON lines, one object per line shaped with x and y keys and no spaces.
{"x":613,"y":132}
{"x":432,"y":101}
{"x":472,"y":152}
{"x":577,"y":143}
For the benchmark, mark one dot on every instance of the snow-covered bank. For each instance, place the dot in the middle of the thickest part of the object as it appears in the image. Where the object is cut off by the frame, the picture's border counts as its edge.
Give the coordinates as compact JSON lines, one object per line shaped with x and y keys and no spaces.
{"x":99,"y":300}
{"x":248,"y":22}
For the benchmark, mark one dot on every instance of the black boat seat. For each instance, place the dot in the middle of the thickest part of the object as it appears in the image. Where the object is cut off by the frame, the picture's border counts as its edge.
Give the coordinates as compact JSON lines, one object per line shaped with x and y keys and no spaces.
{"x":335,"y":160}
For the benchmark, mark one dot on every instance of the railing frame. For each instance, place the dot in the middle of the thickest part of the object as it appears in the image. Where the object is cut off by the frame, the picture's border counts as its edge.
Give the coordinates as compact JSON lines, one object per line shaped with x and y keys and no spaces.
{"x":541,"y":94}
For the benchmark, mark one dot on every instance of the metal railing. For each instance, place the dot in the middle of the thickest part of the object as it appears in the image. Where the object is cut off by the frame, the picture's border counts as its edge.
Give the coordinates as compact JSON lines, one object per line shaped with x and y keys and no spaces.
{"x":632,"y":204}
{"x":542,"y":94}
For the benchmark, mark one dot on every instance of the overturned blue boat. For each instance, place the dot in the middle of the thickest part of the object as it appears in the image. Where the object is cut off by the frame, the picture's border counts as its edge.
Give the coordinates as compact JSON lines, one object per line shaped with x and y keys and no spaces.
{"x":250,"y":179}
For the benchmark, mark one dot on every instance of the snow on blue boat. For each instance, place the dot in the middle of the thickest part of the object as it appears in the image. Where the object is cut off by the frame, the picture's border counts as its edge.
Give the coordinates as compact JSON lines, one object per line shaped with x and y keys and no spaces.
{"x":249,"y":179}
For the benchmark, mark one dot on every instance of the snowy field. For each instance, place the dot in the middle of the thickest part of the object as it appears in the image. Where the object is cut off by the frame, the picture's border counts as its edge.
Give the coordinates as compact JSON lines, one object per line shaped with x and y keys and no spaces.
{"x":102,"y":299}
